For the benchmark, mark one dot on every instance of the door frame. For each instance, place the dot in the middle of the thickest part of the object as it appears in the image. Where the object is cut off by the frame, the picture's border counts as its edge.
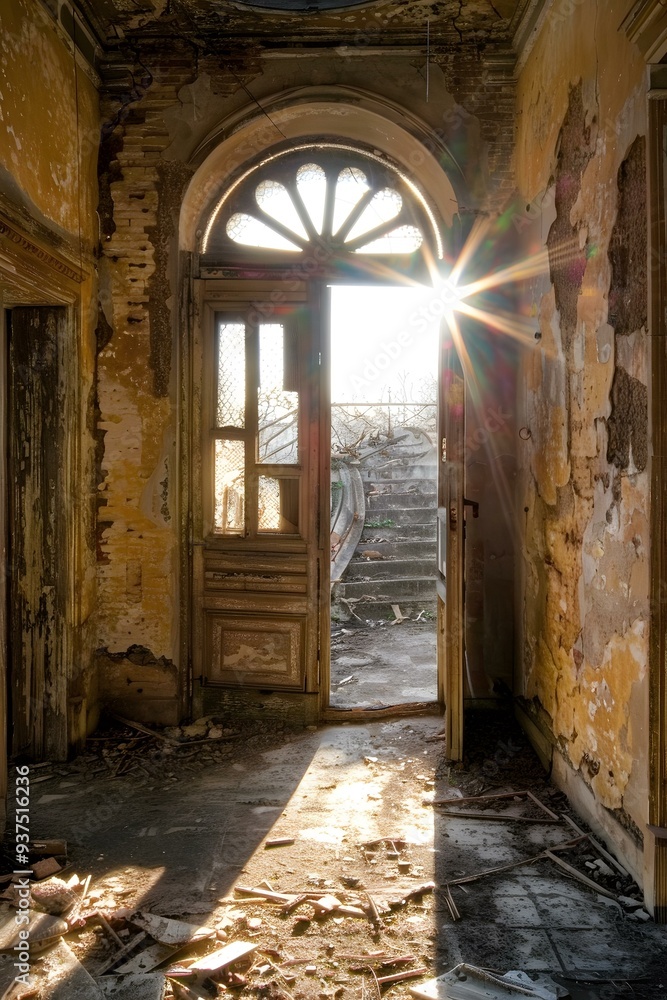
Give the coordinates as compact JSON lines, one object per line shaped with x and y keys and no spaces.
{"x":201,"y":295}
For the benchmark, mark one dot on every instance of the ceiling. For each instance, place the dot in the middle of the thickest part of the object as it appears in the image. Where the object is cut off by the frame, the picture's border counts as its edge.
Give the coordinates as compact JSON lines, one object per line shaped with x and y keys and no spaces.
{"x":280,"y":23}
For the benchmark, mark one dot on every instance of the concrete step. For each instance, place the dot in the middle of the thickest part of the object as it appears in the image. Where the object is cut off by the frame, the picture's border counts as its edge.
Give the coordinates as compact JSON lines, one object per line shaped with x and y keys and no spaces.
{"x":387,"y":471}
{"x":411,"y":588}
{"x":401,"y":501}
{"x":423,"y":486}
{"x":376,"y":570}
{"x":382,"y":610}
{"x":416,"y":533}
{"x":399,"y":517}
{"x":400,"y":548}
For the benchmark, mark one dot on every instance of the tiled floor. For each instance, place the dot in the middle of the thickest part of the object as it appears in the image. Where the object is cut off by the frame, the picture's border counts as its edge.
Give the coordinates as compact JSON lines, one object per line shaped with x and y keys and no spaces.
{"x":183,"y":834}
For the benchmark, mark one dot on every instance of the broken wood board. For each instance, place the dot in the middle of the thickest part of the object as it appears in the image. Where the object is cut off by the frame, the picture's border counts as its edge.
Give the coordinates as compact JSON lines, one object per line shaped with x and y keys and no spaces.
{"x":598,"y":847}
{"x":575,"y":873}
{"x":48,"y":866}
{"x":223,"y":957}
{"x":494,"y":797}
{"x":271,"y":897}
{"x":124,"y":951}
{"x":46,"y":846}
{"x":503,"y":817}
{"x":141,"y":987}
{"x":325,"y":904}
{"x":148,"y":959}
{"x":168,"y":931}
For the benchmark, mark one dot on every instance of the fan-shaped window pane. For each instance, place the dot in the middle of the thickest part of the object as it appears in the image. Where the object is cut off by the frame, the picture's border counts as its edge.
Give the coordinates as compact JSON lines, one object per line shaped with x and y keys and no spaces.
{"x":311,"y":182}
{"x":274,"y":199}
{"x":384,"y":206}
{"x":350,"y":187}
{"x":405,"y":239}
{"x":245,"y":229}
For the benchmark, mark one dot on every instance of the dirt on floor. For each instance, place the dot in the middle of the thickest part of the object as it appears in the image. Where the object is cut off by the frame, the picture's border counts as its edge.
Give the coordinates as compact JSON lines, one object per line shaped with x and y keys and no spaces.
{"x":376,"y":663}
{"x":365,"y":881}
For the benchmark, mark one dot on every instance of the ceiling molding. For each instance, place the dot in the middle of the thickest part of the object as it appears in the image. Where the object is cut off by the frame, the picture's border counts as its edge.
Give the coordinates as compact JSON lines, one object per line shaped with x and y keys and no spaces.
{"x":646,"y":26}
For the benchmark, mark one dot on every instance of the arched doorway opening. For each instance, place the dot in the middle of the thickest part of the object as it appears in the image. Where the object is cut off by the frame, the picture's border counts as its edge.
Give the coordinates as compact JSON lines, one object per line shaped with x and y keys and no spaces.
{"x":286,"y":226}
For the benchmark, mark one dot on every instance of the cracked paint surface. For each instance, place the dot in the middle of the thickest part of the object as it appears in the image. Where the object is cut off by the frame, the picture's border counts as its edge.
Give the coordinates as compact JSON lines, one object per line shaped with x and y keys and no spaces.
{"x":48,"y":148}
{"x":585,"y":497}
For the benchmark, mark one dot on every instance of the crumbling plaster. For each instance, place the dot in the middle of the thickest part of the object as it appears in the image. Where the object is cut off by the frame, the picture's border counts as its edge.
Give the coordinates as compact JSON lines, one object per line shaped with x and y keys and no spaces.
{"x":49,"y":123}
{"x":584,"y":502}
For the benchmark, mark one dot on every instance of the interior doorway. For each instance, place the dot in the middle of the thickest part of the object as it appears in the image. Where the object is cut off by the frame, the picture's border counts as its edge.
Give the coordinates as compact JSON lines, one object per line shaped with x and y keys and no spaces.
{"x":384,"y":466}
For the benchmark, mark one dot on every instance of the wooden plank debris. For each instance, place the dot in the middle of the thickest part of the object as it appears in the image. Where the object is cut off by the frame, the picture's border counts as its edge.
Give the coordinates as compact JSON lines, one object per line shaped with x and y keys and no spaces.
{"x":272,"y":897}
{"x":223,"y":957}
{"x":148,"y":959}
{"x":48,"y":866}
{"x":168,"y":931}
{"x":566,"y":845}
{"x":326,"y":903}
{"x":502,"y":817}
{"x":451,"y":905}
{"x":398,"y":977}
{"x":138,"y":726}
{"x":124,"y":951}
{"x":496,"y":796}
{"x":598,"y":847}
{"x":45,"y":847}
{"x":575,"y":873}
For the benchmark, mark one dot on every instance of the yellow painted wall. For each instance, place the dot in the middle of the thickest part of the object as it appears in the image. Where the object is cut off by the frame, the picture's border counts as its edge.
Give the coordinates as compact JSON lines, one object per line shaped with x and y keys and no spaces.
{"x":49,"y":141}
{"x":49,"y":120}
{"x":586,"y":544}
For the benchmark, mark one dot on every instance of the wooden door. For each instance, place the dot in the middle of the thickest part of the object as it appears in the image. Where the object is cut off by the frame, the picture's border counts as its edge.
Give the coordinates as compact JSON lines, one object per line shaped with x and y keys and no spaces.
{"x":36,"y":514}
{"x":256,"y":546}
{"x":451,"y":527}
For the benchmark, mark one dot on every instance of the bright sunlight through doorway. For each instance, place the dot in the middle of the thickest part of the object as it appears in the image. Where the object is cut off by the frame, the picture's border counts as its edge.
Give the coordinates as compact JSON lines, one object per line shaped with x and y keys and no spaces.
{"x":384,"y":348}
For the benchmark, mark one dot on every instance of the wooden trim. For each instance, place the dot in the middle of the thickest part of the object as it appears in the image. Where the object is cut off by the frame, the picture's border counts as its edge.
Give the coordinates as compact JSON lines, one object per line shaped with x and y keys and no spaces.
{"x":658,"y":511}
{"x":646,"y":26}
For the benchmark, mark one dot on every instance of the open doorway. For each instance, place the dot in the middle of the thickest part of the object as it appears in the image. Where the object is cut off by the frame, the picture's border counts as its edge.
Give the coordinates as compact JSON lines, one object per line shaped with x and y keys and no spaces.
{"x":384,"y":350}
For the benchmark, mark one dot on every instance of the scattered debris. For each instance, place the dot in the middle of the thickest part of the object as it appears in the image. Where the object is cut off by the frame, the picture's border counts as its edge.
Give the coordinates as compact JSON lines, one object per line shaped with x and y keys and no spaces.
{"x":467,"y":982}
{"x":223,"y":957}
{"x":279,"y":842}
{"x":547,"y":815}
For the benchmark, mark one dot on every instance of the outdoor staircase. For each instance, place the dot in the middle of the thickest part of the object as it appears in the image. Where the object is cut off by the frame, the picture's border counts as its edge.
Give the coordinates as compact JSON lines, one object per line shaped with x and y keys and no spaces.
{"x":394,"y":562}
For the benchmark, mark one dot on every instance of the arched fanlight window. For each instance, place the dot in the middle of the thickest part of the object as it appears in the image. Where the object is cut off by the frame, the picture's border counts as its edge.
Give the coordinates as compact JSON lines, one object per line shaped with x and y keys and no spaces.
{"x":349,"y":203}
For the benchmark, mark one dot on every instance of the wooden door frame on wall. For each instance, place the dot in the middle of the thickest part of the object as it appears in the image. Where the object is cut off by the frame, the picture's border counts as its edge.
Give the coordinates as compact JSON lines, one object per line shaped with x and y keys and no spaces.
{"x":38,"y":268}
{"x":657,"y":170}
{"x":646,"y":26}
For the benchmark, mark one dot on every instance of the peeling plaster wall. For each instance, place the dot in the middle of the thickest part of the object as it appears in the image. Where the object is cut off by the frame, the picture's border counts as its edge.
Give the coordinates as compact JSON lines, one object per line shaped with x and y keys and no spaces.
{"x":49,"y":136}
{"x":49,"y":123}
{"x":155,"y":121}
{"x":584,"y":497}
